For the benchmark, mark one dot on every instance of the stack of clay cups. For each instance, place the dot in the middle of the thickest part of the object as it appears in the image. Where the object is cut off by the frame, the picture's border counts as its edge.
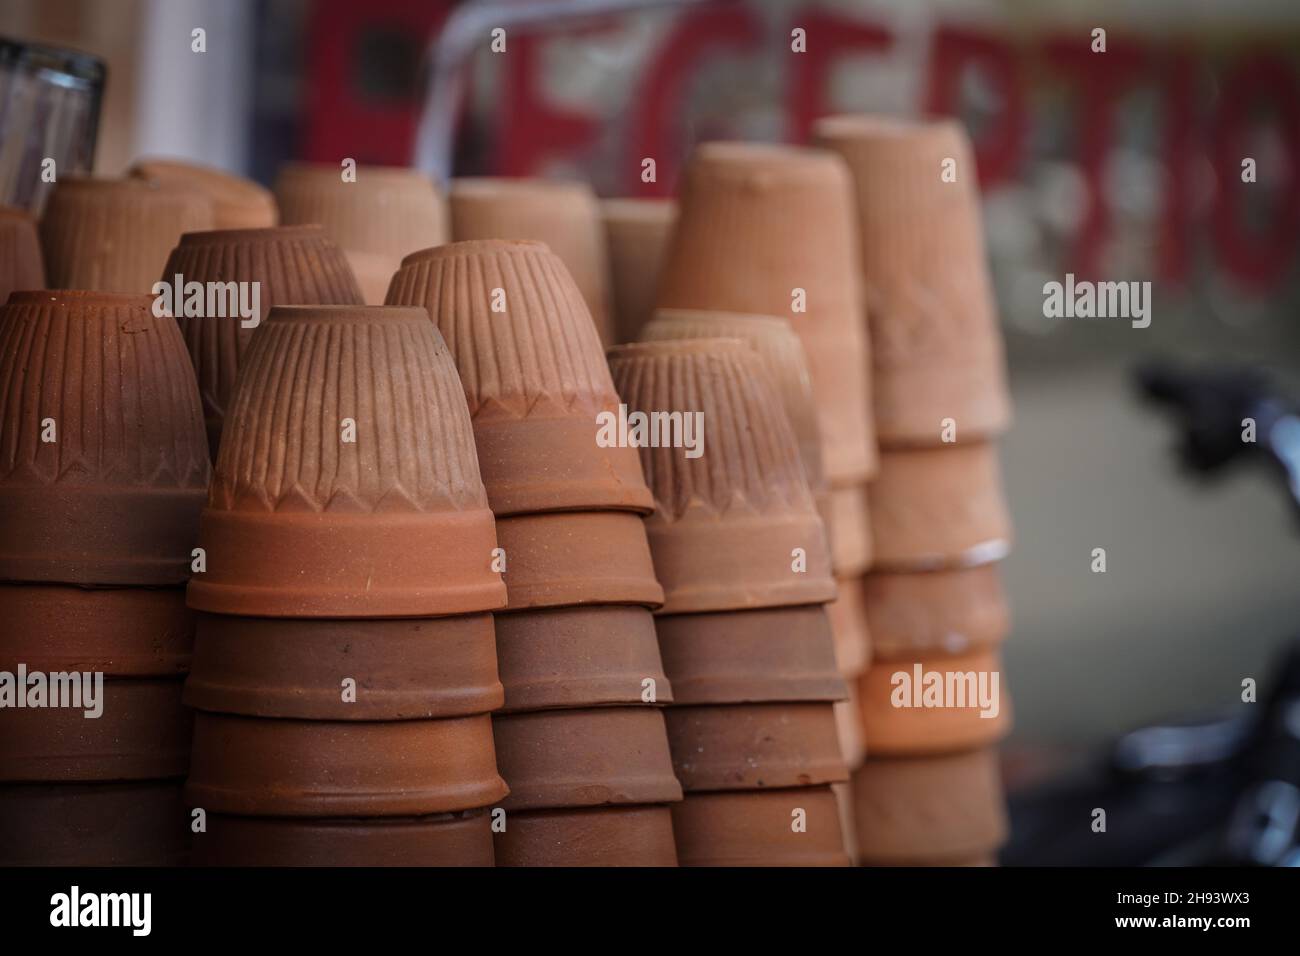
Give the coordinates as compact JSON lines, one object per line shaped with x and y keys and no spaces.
{"x":103,"y":472}
{"x":21,"y":265}
{"x":563,"y":215}
{"x":344,"y":663}
{"x":929,"y":791}
{"x":637,"y":232}
{"x":741,"y":553}
{"x":581,"y":741}
{"x":375,"y":214}
{"x":237,"y":203}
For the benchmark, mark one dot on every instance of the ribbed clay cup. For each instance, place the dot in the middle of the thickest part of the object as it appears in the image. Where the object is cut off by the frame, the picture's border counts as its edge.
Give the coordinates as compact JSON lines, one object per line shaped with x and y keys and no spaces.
{"x":292,"y":265}
{"x":563,"y":215}
{"x":21,"y":265}
{"x":941,"y":507}
{"x":758,"y":222}
{"x":411,"y":668}
{"x":534,"y":374}
{"x":733,"y":523}
{"x":931,"y":613}
{"x":594,"y":836}
{"x":237,"y":203}
{"x":250,"y":766}
{"x":929,"y":810}
{"x":113,"y":235}
{"x":103,"y":464}
{"x":757,"y":828}
{"x":381,"y":216}
{"x":936,"y":346}
{"x":735,"y":657}
{"x":637,"y":232}
{"x":347,"y":484}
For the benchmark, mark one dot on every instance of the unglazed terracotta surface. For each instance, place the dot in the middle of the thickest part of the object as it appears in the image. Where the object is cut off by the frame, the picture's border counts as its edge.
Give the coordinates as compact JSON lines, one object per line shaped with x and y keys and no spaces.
{"x":758,"y":828}
{"x":237,"y":203}
{"x":931,"y":613}
{"x":595,"y":836}
{"x":849,"y":626}
{"x":637,"y":232}
{"x":21,"y":264}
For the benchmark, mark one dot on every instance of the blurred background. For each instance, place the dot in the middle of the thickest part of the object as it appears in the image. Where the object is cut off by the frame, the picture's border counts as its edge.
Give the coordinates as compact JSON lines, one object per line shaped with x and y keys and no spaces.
{"x":1122,"y":165}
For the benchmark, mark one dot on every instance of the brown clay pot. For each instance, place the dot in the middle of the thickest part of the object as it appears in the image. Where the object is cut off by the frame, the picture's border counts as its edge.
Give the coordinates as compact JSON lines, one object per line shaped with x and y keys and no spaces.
{"x":293,"y":265}
{"x":585,"y":758}
{"x":407,"y":669}
{"x":578,"y":557}
{"x":445,"y":839}
{"x":849,"y":618}
{"x":237,"y":203}
{"x":115,"y":497}
{"x":316,"y":768}
{"x":21,"y":265}
{"x":384,"y":214}
{"x":935,"y":341}
{"x":892,"y":730}
{"x":757,"y":828}
{"x":727,"y":522}
{"x":113,"y":235}
{"x":757,"y":222}
{"x":142,"y":733}
{"x":929,"y":810}
{"x":848,"y":726}
{"x":93,"y":824}
{"x":579,"y":657}
{"x":564,"y":215}
{"x":122,"y":632}
{"x":300,"y":523}
{"x":535,"y":376}
{"x":848,"y":526}
{"x":933,"y":613}
{"x":636,"y":239}
{"x":737,"y":657}
{"x":939,"y":507}
{"x":754,"y":746}
{"x":595,"y":836}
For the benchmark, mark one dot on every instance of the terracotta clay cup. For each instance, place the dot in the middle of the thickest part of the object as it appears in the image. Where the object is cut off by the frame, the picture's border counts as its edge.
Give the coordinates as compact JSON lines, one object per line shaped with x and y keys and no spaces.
{"x":952,"y":704}
{"x":931,"y":613}
{"x":595,"y":836}
{"x":378,"y":216}
{"x":918,"y":810}
{"x":736,"y":657}
{"x":734,"y":526}
{"x":849,"y":627}
{"x":637,"y":232}
{"x":113,"y":235}
{"x":534,"y":374}
{"x":406,"y":669}
{"x":347,"y":484}
{"x":292,"y":265}
{"x":848,"y":526}
{"x":584,"y":758}
{"x":760,"y":224}
{"x":577,"y":557}
{"x":935,"y":341}
{"x":848,"y":723}
{"x":940,"y":507}
{"x":121,"y":632}
{"x":142,"y":733}
{"x":103,"y":465}
{"x":754,"y":746}
{"x":444,"y":839}
{"x":21,"y":265}
{"x":251,"y":766}
{"x":237,"y":203}
{"x":580,"y":657}
{"x":786,"y":827}
{"x":563,"y":215}
{"x":141,"y":823}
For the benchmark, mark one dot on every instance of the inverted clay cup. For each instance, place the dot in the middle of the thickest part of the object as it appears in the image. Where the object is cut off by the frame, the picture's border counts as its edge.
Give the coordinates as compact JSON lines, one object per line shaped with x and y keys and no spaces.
{"x":237,"y":203}
{"x":734,"y":526}
{"x":935,"y":342}
{"x":794,"y":827}
{"x":534,"y":374}
{"x":563,"y":215}
{"x":21,"y":265}
{"x":103,"y":463}
{"x":931,"y":613}
{"x":595,"y":836}
{"x":347,"y":484}
{"x":291,"y":265}
{"x":113,"y":235}
{"x":637,"y":232}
